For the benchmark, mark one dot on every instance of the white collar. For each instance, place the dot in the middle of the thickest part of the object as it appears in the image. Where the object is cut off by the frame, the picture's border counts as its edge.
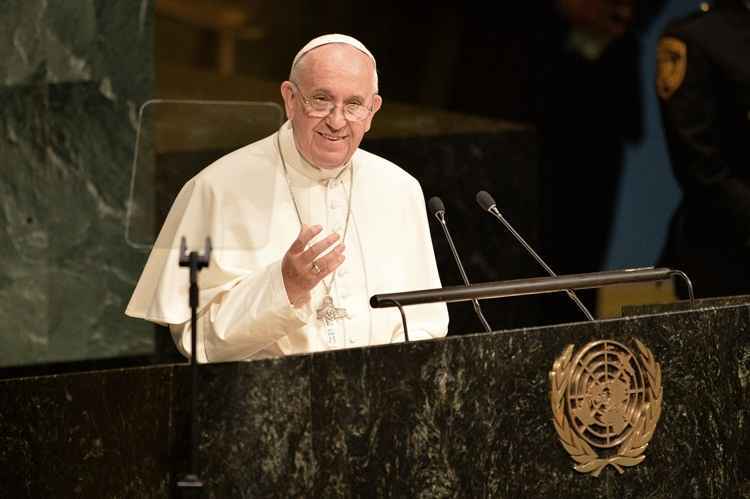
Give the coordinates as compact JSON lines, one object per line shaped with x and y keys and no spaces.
{"x":296,"y":162}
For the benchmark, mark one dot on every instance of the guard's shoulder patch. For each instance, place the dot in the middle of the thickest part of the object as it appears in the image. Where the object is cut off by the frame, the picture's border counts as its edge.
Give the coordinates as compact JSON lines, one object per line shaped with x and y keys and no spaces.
{"x":671,"y":65}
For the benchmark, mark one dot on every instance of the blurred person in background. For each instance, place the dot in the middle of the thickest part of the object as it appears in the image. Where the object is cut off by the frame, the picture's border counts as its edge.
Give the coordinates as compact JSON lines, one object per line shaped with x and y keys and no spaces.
{"x":703,"y":84}
{"x":589,"y":107}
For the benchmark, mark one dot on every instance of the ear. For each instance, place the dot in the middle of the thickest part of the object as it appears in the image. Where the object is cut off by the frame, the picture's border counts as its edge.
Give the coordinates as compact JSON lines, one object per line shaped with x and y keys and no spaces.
{"x":287,"y":93}
{"x":377,"y":101}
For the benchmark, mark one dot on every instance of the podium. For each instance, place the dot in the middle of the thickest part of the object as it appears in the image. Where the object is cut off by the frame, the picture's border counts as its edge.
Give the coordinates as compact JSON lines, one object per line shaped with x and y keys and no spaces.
{"x":463,"y":416}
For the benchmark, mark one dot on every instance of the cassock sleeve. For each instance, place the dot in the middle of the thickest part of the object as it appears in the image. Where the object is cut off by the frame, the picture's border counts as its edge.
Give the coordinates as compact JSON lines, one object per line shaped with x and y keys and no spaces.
{"x":243,"y":305}
{"x":244,"y":320}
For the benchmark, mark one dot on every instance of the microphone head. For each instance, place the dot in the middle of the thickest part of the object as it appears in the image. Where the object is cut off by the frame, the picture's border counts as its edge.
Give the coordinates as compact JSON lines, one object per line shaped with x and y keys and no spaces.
{"x":436,"y":205}
{"x":485,"y":200}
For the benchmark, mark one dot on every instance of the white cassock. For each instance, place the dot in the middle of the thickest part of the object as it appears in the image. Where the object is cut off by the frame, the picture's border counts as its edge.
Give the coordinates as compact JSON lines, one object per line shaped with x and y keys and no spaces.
{"x":243,"y":202}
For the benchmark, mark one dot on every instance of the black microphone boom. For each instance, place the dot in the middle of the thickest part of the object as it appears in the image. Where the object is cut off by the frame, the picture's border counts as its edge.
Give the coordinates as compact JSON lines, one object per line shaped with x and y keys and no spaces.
{"x":437,"y":208}
{"x":525,"y":287}
{"x":485,"y":200}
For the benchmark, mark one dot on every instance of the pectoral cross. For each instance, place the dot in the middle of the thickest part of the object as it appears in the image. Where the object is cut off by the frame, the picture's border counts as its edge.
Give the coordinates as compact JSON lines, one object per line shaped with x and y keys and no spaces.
{"x":329,"y":313}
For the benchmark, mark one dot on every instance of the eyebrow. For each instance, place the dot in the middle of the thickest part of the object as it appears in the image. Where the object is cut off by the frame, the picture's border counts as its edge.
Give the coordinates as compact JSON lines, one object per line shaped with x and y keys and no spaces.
{"x":351,"y":98}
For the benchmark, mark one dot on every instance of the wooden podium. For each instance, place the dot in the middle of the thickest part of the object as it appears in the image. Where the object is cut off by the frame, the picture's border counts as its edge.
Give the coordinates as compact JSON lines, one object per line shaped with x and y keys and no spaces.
{"x":464,"y":416}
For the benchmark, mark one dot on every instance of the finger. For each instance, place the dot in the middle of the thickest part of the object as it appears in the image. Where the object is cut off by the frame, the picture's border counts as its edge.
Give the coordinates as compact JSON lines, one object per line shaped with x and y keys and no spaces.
{"x":330,"y":262}
{"x":316,"y":249}
{"x":306,"y":234}
{"x":331,"y":268}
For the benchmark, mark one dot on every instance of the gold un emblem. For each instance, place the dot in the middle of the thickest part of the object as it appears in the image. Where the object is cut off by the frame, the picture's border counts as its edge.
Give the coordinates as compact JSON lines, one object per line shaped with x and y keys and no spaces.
{"x":607,"y":398}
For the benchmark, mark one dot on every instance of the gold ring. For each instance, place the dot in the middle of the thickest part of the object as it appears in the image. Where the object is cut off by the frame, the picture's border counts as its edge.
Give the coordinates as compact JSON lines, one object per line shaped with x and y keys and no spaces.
{"x":315,"y":269}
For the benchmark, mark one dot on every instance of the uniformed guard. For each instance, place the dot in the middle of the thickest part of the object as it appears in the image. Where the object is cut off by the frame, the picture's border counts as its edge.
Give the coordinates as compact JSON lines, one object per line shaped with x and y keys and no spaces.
{"x":703,"y":84}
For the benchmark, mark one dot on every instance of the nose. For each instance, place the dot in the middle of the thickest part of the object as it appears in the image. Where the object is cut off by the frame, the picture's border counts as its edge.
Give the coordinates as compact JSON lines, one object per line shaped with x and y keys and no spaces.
{"x":336,"y":119}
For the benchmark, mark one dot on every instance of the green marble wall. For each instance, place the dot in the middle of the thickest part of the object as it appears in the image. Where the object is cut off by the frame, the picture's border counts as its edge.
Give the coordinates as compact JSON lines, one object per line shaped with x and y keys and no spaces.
{"x":74,"y":74}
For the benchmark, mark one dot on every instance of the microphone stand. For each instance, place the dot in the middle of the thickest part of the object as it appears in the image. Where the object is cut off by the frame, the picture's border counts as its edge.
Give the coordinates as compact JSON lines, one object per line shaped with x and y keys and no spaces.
{"x":539,"y":260}
{"x":440,"y":215}
{"x":395,"y":303}
{"x":487,"y":203}
{"x":523,"y":287}
{"x":190,"y":485}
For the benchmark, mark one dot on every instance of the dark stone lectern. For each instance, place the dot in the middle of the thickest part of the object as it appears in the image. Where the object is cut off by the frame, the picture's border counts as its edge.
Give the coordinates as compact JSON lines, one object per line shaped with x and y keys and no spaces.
{"x":465,"y":416}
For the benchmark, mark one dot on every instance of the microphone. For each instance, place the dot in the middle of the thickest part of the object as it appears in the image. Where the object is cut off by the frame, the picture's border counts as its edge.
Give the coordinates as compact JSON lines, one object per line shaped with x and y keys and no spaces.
{"x":437,"y":208}
{"x":488,"y":204}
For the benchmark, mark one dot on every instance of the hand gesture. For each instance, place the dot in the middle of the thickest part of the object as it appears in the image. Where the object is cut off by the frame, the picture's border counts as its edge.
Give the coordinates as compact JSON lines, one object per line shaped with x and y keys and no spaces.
{"x":303,"y":268}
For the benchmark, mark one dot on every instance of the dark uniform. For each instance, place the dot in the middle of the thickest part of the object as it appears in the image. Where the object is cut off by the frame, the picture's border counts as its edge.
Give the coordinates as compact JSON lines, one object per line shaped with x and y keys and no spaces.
{"x":703,"y":84}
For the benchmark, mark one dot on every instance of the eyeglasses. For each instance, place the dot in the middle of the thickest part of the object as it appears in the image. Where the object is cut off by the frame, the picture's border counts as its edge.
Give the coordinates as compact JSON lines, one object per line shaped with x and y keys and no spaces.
{"x":320,"y":107}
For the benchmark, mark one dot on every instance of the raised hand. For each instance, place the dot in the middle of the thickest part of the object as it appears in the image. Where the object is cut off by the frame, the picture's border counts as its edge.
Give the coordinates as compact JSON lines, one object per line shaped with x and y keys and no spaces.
{"x":303,"y":268}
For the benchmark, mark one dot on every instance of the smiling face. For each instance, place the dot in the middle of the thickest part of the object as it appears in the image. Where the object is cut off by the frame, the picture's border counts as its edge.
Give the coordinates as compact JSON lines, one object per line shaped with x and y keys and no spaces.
{"x":344,"y":75}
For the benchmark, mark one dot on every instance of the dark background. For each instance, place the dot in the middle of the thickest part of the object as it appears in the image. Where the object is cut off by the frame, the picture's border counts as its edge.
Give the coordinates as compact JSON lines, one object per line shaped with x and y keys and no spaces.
{"x":476,"y":97}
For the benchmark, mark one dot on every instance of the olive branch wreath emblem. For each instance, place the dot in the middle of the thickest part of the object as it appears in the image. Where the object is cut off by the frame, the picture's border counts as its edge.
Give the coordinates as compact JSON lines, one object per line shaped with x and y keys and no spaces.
{"x":643,"y":422}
